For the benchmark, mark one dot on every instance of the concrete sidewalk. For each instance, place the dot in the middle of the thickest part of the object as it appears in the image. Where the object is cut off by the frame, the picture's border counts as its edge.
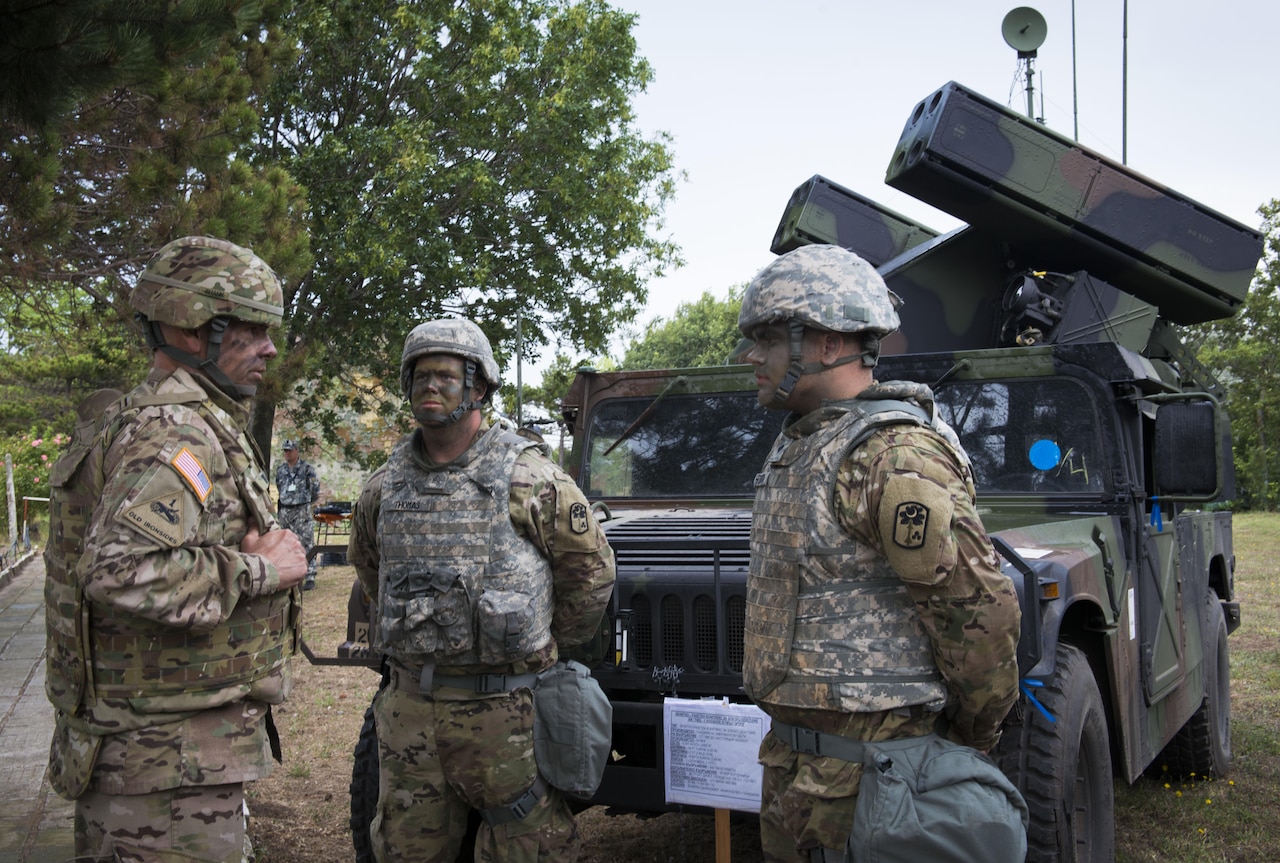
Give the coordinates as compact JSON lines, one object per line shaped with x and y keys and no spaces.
{"x":36,"y":825}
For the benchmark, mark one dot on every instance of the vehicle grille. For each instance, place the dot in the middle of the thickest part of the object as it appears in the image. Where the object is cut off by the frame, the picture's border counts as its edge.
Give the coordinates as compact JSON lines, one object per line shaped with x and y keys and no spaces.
{"x":681,"y":594}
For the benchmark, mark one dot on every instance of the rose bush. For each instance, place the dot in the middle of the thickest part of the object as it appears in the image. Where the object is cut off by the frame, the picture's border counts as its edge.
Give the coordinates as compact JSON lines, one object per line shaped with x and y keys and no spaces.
{"x":33,"y":455}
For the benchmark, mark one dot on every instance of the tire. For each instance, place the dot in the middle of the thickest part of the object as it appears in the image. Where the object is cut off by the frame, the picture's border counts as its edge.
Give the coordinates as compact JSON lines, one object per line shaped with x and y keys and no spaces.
{"x":1063,"y":768}
{"x":364,"y":788}
{"x":1203,"y":745}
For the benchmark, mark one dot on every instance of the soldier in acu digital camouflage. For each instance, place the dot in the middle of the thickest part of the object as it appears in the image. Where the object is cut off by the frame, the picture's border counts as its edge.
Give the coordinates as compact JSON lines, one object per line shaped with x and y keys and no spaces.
{"x":484,"y":563}
{"x":171,"y":601}
{"x":875,"y":605}
{"x":298,"y":488}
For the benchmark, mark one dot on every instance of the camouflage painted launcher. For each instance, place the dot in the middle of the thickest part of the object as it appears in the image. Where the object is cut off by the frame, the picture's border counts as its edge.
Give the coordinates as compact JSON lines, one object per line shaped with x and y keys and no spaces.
{"x":822,"y":212}
{"x":1061,"y":207}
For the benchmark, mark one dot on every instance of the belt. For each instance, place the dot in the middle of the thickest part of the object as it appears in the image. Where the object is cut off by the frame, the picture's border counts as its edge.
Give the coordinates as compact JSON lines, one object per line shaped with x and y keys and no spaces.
{"x":425,"y":681}
{"x":824,"y":743}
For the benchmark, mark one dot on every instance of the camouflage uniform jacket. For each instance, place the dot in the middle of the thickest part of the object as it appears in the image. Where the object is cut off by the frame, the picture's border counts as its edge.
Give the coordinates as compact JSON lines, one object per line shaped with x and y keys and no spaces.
{"x":189,"y":638}
{"x":896,"y":582}
{"x":298,"y":485}
{"x":550,"y":518}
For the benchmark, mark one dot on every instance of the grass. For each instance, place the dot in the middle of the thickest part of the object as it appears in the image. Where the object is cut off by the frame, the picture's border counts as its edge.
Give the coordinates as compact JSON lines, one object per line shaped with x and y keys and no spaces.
{"x":299,"y":814}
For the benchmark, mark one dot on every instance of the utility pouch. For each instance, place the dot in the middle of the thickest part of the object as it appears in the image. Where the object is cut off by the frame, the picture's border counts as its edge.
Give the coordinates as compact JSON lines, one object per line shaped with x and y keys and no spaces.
{"x":572,"y":728}
{"x":927,"y":798}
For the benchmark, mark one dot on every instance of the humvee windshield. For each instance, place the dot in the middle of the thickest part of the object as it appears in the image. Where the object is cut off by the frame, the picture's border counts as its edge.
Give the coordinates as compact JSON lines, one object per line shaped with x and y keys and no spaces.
{"x":689,"y":446}
{"x":1023,"y":436}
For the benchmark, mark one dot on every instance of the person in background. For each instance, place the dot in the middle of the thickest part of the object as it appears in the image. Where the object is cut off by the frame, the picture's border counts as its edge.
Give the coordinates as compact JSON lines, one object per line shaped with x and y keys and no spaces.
{"x":483,"y":563}
{"x":875,"y":603}
{"x":172,"y":607}
{"x":298,"y":488}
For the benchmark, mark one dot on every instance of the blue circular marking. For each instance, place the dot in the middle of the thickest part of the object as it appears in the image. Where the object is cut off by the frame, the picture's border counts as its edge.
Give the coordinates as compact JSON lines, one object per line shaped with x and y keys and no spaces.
{"x":1044,"y":454}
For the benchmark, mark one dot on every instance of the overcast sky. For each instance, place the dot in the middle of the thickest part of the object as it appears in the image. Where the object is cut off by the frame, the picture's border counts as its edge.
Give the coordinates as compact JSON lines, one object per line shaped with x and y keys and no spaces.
{"x":760,"y":95}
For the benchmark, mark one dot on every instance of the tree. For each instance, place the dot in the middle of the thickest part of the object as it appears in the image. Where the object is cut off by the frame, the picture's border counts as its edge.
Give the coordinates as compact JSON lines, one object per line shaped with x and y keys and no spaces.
{"x":701,"y":333}
{"x":55,"y":55}
{"x":151,"y":151}
{"x":477,"y":159}
{"x":1243,"y":350}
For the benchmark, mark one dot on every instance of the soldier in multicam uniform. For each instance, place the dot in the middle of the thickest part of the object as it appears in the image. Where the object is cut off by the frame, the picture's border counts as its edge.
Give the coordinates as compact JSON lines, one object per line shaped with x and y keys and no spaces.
{"x":484,"y":563}
{"x":875,"y":604}
{"x":298,"y":488}
{"x":171,"y":601}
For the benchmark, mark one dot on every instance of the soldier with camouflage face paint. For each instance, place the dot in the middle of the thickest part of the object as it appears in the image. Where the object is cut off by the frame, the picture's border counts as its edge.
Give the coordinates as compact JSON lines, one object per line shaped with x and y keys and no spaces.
{"x":171,"y":601}
{"x":297,"y":488}
{"x":875,"y":603}
{"x":483,"y":563}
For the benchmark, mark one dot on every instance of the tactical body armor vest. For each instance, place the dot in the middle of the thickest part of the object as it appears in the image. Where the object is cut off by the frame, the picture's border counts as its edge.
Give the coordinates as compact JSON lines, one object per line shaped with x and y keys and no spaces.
{"x":829,"y":624}
{"x":93,"y":653}
{"x":458,"y":585}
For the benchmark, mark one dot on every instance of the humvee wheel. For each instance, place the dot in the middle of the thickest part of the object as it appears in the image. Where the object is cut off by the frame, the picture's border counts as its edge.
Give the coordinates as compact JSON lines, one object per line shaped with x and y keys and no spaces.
{"x":1203,"y":745}
{"x":1063,"y":768}
{"x":364,"y":788}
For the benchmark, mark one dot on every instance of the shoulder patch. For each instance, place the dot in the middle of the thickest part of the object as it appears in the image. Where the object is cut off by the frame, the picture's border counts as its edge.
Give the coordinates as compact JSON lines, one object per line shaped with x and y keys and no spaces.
{"x":189,"y":467}
{"x":164,"y":518}
{"x":910,"y":524}
{"x":579,"y":518}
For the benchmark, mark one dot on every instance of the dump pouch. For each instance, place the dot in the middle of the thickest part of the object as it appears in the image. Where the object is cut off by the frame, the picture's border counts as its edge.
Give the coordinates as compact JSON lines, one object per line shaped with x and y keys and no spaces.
{"x":572,"y":728}
{"x":927,"y":798}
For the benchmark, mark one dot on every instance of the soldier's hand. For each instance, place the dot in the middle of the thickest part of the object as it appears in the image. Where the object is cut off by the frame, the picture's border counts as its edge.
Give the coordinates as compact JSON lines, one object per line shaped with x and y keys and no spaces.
{"x":283,"y":549}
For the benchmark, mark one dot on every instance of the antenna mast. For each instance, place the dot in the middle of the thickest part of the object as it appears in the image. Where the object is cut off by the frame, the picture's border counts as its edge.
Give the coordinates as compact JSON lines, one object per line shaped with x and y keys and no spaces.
{"x":1024,"y":30}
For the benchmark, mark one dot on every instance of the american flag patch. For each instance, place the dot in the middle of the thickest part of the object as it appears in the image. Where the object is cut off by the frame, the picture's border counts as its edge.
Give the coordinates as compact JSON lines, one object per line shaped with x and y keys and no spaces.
{"x":193,"y":472}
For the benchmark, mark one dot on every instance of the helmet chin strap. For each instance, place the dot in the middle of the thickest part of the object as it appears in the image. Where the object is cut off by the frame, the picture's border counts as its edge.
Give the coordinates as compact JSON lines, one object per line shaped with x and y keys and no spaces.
{"x":208,"y":365}
{"x":798,"y":368}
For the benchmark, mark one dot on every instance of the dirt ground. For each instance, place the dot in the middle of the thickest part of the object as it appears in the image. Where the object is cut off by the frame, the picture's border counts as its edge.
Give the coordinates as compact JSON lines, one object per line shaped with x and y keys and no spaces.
{"x":300,"y":813}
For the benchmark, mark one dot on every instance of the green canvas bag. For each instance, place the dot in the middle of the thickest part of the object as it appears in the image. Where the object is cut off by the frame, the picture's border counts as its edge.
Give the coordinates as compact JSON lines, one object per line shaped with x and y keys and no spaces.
{"x":927,"y":798}
{"x":572,"y":728}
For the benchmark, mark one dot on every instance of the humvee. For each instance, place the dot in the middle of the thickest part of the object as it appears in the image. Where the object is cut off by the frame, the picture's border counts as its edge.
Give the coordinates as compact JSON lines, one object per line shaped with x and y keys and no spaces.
{"x":1046,"y":328}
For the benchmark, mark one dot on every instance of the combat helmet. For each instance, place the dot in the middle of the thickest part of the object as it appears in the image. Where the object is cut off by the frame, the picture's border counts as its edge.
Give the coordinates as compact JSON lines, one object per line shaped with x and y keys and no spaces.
{"x":455,"y":337}
{"x":824,"y":287}
{"x":195,"y":281}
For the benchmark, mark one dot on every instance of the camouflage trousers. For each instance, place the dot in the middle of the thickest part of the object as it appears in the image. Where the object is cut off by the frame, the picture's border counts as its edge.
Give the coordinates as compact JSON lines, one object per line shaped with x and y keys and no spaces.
{"x":806,"y":802}
{"x":191,"y":824}
{"x":439,"y":759}
{"x":300,"y":520}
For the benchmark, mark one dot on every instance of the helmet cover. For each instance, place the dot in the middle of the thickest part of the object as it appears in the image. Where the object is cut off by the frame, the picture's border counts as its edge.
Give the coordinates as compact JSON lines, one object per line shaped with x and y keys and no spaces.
{"x":822,"y":286}
{"x":193,"y":280}
{"x":453,"y":336}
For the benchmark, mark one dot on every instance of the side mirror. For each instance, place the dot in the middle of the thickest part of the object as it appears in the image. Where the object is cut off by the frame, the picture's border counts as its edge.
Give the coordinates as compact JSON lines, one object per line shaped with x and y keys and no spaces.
{"x":1188,"y":458}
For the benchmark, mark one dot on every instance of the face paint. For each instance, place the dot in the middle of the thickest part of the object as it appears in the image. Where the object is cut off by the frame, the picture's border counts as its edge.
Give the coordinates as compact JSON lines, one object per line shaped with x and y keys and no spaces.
{"x":246,"y":348}
{"x":437,"y":388}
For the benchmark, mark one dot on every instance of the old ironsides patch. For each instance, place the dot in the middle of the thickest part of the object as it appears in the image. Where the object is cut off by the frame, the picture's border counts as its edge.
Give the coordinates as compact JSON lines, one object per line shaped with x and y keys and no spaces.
{"x":163,"y":518}
{"x":911,"y":523}
{"x":579,"y":518}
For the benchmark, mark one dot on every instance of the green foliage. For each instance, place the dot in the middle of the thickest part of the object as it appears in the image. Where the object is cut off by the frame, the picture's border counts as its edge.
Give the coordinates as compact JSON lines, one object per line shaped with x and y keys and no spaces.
{"x":1243,"y":351}
{"x":33,"y":455}
{"x":56,"y":54}
{"x":152,"y":151}
{"x":701,"y":333}
{"x":44,"y":374}
{"x":477,"y":159}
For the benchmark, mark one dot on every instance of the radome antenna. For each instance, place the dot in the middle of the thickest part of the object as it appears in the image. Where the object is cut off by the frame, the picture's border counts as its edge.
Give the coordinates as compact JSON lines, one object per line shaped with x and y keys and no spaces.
{"x":1024,"y":29}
